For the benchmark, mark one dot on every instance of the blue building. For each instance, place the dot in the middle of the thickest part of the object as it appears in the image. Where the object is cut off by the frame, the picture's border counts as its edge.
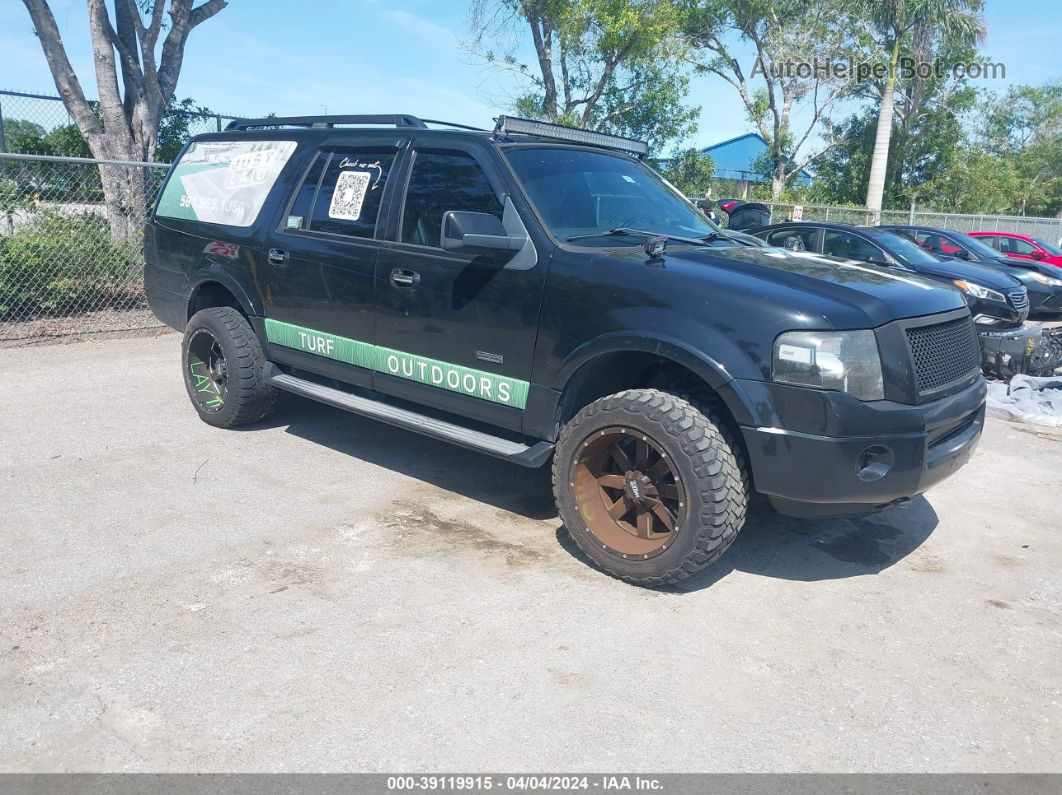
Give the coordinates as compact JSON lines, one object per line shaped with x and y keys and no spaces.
{"x":734,"y":160}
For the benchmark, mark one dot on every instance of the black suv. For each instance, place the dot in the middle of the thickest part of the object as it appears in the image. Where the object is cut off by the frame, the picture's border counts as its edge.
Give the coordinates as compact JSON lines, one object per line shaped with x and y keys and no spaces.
{"x":1041,"y":280}
{"x":538,"y":291}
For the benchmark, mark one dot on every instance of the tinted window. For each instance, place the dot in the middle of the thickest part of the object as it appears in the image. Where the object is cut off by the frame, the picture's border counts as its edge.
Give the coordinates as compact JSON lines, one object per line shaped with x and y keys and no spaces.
{"x":444,"y":181}
{"x":794,"y":239}
{"x":990,"y":240}
{"x":348,"y":200}
{"x":900,"y":247}
{"x":842,"y":244}
{"x":976,"y":245}
{"x":298,"y":216}
{"x":1012,"y":245}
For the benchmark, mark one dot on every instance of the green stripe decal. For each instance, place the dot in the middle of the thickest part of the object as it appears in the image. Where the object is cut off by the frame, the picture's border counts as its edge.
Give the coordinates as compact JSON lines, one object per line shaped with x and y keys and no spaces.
{"x":452,"y":377}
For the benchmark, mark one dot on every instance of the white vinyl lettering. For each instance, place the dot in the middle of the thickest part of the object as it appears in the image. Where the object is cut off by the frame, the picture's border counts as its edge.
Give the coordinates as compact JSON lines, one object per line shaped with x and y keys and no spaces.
{"x":469,"y":383}
{"x":407,"y":368}
{"x":453,"y":379}
{"x":436,"y":374}
{"x":484,"y":387}
{"x":392,"y":363}
{"x":423,"y":367}
{"x":503,"y":391}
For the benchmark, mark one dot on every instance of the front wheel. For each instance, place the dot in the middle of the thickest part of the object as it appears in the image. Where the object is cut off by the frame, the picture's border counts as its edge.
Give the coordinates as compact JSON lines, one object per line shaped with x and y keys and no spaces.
{"x":223,"y":362}
{"x":650,"y":487}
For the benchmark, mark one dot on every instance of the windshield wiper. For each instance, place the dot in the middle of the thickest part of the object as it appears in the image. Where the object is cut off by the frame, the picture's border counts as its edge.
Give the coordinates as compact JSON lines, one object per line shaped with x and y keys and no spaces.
{"x":623,"y":230}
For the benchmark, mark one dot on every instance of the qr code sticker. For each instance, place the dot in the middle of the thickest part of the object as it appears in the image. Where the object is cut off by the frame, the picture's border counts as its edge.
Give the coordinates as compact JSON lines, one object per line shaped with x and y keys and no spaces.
{"x":349,"y":195}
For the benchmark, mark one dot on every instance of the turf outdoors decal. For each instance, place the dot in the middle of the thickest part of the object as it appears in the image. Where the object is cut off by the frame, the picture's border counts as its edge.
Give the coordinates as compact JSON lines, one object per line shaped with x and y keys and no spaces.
{"x":224,"y":182}
{"x":452,"y":377}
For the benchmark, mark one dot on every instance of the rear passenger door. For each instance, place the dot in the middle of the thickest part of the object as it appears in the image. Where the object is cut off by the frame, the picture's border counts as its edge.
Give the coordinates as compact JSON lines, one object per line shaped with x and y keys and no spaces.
{"x":318,"y":281}
{"x":455,"y":330}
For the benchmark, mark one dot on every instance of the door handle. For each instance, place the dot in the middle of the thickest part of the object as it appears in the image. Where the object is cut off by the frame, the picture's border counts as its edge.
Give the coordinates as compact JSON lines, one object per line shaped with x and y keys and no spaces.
{"x":400,"y":277}
{"x":277,"y":256}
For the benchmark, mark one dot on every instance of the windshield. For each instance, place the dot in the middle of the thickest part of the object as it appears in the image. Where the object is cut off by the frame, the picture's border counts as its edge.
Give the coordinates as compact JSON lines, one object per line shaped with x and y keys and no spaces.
{"x":904,"y":250}
{"x":1055,"y":250}
{"x":579,"y":192}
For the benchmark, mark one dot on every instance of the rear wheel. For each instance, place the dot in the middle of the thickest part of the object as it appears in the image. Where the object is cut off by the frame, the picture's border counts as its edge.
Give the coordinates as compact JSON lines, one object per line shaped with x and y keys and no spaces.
{"x":223,"y":362}
{"x":650,"y":486}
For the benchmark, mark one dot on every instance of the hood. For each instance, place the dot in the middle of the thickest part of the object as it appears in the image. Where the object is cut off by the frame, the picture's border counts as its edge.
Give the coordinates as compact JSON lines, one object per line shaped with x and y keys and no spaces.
{"x":846,"y":293}
{"x":970,"y":271}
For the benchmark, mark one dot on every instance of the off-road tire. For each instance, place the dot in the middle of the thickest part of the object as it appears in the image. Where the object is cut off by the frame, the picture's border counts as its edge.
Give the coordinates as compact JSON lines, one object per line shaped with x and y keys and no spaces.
{"x":704,"y":453}
{"x":249,"y":397}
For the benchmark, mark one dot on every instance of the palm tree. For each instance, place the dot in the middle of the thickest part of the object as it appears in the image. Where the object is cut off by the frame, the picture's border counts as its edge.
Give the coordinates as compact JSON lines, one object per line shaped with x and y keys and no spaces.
{"x":893,"y":20}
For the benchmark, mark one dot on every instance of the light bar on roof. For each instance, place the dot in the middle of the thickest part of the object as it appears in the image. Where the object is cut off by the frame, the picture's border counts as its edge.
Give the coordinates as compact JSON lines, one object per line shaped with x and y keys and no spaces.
{"x":507,"y":124}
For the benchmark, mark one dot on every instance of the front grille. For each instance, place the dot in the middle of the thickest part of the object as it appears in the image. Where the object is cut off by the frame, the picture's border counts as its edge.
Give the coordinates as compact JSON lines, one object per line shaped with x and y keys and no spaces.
{"x":943,"y":352}
{"x":1020,"y":299}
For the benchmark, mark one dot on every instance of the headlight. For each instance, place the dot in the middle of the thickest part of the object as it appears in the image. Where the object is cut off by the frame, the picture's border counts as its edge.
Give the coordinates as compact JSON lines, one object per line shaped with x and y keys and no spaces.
{"x":846,"y":361}
{"x":1045,"y":279}
{"x":979,"y":291}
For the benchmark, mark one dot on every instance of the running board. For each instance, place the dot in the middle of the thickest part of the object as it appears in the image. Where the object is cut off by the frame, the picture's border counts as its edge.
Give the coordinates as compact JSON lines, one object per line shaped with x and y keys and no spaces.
{"x":534,"y":455}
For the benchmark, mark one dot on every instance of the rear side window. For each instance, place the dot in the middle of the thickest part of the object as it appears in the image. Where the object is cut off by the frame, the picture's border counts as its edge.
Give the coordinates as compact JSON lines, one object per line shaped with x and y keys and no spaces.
{"x":223,"y":182}
{"x":1013,"y":245}
{"x":341,"y":193}
{"x":443,"y":181}
{"x":842,"y":244}
{"x":794,"y":239}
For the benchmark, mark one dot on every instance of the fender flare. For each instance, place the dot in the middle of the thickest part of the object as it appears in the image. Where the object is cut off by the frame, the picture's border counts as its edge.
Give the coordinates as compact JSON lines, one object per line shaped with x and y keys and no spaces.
{"x":713,"y":372}
{"x":705,"y":367}
{"x":250,"y":306}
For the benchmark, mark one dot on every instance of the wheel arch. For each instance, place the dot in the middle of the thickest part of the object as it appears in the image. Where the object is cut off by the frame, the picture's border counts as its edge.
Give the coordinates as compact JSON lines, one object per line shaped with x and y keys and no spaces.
{"x":217,"y":288}
{"x":615,"y":362}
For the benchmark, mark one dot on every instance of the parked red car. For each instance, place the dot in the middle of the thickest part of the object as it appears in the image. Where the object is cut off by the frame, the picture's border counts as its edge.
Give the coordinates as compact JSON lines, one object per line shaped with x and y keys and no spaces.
{"x":1022,"y":246}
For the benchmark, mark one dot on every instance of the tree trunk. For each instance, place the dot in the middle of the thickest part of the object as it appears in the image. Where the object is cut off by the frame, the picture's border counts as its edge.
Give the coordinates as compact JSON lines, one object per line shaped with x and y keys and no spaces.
{"x":778,"y":180}
{"x":879,"y":165}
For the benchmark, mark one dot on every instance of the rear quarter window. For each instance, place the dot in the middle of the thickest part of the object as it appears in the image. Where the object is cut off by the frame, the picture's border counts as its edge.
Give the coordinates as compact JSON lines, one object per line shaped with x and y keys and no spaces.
{"x":223,"y":182}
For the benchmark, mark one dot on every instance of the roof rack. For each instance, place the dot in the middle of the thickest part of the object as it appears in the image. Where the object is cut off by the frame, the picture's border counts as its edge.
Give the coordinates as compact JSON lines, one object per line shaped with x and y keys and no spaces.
{"x":504,"y":125}
{"x":327,"y":122}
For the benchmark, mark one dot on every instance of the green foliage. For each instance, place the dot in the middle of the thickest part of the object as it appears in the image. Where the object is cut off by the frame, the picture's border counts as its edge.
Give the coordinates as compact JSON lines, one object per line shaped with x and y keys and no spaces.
{"x":609,"y":65}
{"x":691,"y":171}
{"x":57,"y":263}
{"x":175,"y":127}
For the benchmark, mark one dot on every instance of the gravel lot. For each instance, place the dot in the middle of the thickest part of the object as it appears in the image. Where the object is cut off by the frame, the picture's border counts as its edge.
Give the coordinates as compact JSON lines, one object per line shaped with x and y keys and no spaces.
{"x":328,"y":593}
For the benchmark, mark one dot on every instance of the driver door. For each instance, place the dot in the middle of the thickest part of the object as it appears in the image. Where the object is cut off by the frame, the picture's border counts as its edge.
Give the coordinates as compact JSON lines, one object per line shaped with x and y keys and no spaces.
{"x":457,"y":329}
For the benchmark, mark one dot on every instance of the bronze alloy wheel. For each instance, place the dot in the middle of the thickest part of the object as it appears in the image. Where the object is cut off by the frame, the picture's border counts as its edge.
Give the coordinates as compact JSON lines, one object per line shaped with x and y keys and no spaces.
{"x":209,"y":371}
{"x":628,"y":492}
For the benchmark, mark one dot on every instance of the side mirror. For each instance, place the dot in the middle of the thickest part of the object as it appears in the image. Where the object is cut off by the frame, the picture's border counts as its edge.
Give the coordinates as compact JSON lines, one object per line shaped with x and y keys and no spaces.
{"x":468,"y":231}
{"x":879,"y":259}
{"x":1038,"y":254}
{"x":963,"y":254}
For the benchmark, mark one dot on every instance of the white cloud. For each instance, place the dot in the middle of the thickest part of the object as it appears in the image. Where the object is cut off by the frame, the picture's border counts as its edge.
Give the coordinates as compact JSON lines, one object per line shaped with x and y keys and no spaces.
{"x":420,"y":27}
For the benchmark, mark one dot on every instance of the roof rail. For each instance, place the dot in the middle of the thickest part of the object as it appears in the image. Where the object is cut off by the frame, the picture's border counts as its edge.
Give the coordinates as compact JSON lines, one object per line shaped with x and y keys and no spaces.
{"x":396,"y":119}
{"x":323,"y":122}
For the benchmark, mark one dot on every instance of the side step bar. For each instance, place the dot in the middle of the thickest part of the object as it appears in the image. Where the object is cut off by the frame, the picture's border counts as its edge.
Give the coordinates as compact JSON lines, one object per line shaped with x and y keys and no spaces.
{"x":534,"y":455}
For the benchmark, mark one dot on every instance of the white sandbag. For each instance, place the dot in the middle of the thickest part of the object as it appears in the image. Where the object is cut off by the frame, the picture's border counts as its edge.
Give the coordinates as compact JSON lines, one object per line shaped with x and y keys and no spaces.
{"x":1037,"y":401}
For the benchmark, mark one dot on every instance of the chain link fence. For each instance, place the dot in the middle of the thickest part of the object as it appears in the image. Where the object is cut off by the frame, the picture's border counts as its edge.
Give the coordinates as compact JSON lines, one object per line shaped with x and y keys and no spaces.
{"x":1048,"y":229}
{"x":71,"y":261}
{"x":39,"y":116}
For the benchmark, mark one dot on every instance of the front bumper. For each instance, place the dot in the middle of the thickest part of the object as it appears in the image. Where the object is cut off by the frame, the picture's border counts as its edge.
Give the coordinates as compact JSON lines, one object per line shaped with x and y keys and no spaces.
{"x":1008,"y":352}
{"x":816,"y":475}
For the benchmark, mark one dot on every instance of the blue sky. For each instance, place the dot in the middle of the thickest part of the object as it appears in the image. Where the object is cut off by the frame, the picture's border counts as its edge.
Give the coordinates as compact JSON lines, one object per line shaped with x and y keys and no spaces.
{"x":295,"y":58}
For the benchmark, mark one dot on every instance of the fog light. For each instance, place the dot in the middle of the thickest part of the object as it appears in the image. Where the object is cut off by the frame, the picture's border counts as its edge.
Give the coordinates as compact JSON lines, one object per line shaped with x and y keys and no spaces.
{"x":874,"y":463}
